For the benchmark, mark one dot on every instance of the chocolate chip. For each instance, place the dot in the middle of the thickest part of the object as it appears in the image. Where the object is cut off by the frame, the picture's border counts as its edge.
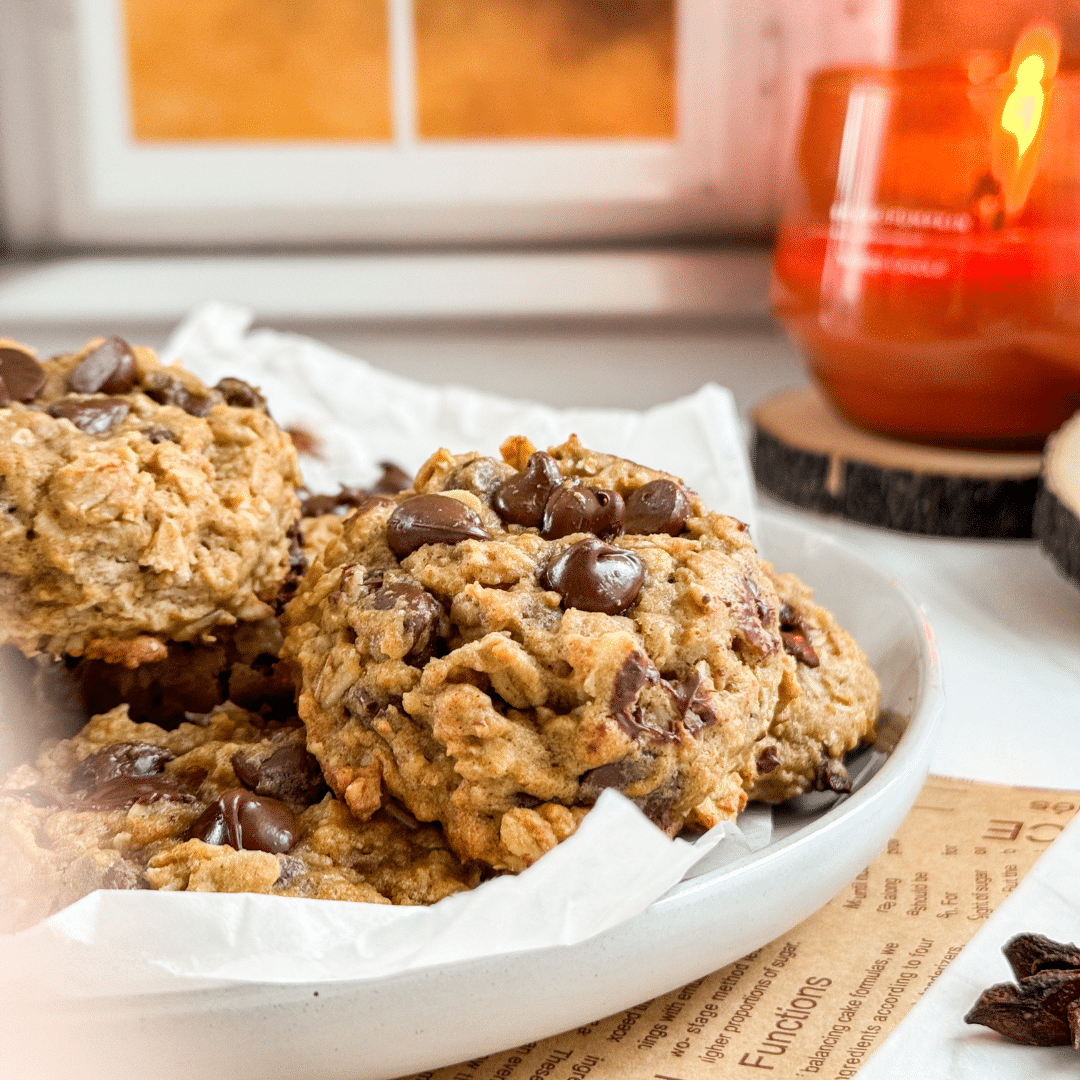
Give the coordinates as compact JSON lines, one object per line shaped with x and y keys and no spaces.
{"x":120,"y":759}
{"x":109,"y":368}
{"x":305,"y":441}
{"x":520,"y":499}
{"x":247,"y":822}
{"x":1035,"y":1013}
{"x":95,"y":416}
{"x":160,"y":434}
{"x":660,"y":506}
{"x":767,"y":760}
{"x":422,"y":614}
{"x":21,"y":376}
{"x":122,"y":792}
{"x":616,"y":774}
{"x":393,"y":480}
{"x":346,"y":499}
{"x":573,"y":509}
{"x":240,"y":394}
{"x":290,"y":774}
{"x":593,"y":576}
{"x":296,"y":569}
{"x":431,"y":519}
{"x":657,"y":807}
{"x":167,"y":389}
{"x":360,"y":704}
{"x":832,"y":776}
{"x":796,"y":637}
{"x":1029,"y":954}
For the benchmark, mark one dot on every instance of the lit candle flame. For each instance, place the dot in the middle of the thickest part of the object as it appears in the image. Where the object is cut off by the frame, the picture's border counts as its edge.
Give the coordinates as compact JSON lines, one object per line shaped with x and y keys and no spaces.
{"x":1024,"y":107}
{"x":1027,"y":84}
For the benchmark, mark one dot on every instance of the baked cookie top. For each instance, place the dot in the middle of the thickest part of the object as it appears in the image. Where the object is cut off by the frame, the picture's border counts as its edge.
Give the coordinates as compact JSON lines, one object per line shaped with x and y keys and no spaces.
{"x":502,"y":642}
{"x":136,"y":504}
{"x":224,"y":803}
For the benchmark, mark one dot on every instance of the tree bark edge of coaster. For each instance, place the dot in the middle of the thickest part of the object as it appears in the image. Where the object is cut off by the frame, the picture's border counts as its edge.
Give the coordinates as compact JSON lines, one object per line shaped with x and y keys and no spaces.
{"x":805,"y":453}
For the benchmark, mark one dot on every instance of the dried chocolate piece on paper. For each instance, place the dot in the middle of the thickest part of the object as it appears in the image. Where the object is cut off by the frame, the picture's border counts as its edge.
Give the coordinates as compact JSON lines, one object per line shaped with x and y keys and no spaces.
{"x":1035,"y":1012}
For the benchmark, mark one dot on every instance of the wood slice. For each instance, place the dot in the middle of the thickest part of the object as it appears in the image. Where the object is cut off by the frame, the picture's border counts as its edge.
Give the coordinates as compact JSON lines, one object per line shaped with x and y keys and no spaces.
{"x":805,"y":453}
{"x":1057,"y":508}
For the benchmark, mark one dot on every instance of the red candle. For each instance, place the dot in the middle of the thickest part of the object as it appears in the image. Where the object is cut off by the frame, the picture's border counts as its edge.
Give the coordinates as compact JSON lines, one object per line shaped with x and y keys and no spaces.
{"x":929,"y":264}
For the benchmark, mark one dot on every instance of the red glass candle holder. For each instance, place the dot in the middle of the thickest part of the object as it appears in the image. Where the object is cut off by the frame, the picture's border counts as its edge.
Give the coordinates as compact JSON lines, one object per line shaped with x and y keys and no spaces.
{"x":928,"y":264}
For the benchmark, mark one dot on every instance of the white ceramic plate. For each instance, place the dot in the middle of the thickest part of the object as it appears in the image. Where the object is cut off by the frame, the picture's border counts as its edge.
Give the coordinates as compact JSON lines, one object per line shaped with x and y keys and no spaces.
{"x":439,"y":1016}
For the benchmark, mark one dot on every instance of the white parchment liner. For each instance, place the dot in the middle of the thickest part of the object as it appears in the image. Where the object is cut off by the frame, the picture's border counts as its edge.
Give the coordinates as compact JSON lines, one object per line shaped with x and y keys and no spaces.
{"x":616,"y":864}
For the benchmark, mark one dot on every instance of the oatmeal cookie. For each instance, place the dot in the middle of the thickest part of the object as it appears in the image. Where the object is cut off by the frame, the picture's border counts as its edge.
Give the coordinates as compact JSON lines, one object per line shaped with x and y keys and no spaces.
{"x":230,"y":803}
{"x":139,"y":506}
{"x":828,"y":704}
{"x":502,"y":642}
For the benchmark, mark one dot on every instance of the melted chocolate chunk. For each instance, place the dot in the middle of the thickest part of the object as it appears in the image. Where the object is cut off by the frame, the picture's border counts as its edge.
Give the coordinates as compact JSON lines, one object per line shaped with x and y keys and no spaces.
{"x":767,"y":760}
{"x":796,"y":637}
{"x":573,"y":509}
{"x":421,"y":611}
{"x":637,"y":672}
{"x":592,"y":576}
{"x":752,"y":618}
{"x":167,"y":389}
{"x":120,"y":759}
{"x":616,"y":774}
{"x":520,"y":499}
{"x":161,"y":434}
{"x":247,"y":822}
{"x":393,"y":480}
{"x":122,"y":792}
{"x":21,"y":376}
{"x":658,"y":805}
{"x":660,"y":506}
{"x":697,"y":713}
{"x":1035,"y":1013}
{"x":290,"y":774}
{"x":240,"y":394}
{"x":109,"y":369}
{"x":95,"y":416}
{"x":431,"y":519}
{"x":361,"y":704}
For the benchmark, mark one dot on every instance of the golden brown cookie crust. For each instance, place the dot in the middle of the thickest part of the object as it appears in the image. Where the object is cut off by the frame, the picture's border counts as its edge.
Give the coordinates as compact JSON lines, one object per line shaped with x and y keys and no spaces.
{"x":161,"y":527}
{"x":484,"y":703}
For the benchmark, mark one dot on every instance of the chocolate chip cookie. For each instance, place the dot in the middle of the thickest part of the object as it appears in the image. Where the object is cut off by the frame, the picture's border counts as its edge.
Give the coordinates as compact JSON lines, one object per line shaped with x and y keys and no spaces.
{"x":828,"y":702}
{"x":497,"y":645}
{"x":137,"y":506}
{"x":230,"y":803}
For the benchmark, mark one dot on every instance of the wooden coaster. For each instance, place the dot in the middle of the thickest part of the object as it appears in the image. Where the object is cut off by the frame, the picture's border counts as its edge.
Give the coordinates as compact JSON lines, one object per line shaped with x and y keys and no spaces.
{"x":805,"y":453}
{"x":1057,"y":508}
